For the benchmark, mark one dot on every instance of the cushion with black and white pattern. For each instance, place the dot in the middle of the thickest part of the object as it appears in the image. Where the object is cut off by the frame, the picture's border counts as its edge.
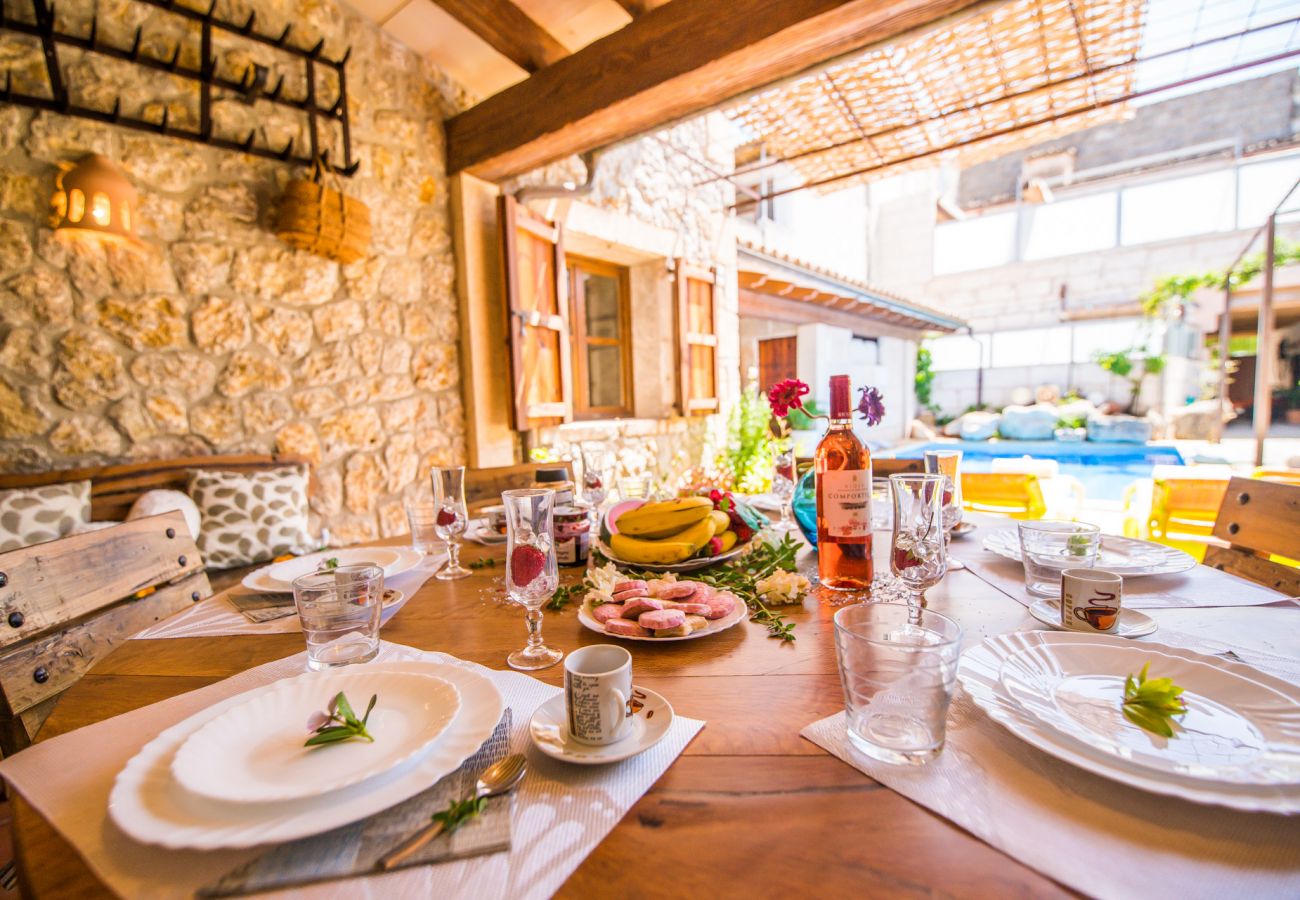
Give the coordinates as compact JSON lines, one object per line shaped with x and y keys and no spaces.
{"x":250,"y":517}
{"x":35,"y":515}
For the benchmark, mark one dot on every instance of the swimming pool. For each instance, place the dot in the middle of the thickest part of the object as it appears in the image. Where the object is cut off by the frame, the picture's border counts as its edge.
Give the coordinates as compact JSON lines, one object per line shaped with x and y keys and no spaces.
{"x":1104,"y":469}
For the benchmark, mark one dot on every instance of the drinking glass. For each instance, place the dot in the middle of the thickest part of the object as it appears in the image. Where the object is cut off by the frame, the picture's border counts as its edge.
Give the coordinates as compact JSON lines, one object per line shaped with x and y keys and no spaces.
{"x":451,"y":518}
{"x":1049,"y":547}
{"x":422,"y":518}
{"x":635,"y":487}
{"x":595,"y":473}
{"x":882,"y":507}
{"x":339,"y":610}
{"x":917,"y":555}
{"x":783,"y":487}
{"x":532,"y":574}
{"x":897,"y":667}
{"x":948,"y":464}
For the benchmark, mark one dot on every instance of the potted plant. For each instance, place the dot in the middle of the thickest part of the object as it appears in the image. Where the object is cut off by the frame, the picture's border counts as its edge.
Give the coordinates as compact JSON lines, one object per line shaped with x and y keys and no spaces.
{"x":1071,"y":429}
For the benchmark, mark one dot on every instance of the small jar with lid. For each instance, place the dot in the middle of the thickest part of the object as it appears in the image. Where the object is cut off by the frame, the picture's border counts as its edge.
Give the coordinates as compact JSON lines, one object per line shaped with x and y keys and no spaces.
{"x":557,"y":480}
{"x":572,"y":526}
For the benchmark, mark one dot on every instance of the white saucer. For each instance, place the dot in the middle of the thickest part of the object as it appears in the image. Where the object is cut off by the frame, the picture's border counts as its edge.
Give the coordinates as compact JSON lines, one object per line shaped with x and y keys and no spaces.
{"x":549,"y":730}
{"x":1131,"y":622}
{"x":484,"y":535}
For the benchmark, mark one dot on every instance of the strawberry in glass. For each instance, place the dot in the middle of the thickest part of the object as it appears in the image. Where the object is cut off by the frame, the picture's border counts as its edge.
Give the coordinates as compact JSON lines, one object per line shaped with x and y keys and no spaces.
{"x":452,"y":517}
{"x":532,"y":574}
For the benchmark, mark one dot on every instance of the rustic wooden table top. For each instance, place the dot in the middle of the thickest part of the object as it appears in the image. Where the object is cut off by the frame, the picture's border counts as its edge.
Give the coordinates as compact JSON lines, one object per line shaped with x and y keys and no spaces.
{"x":750,"y":803}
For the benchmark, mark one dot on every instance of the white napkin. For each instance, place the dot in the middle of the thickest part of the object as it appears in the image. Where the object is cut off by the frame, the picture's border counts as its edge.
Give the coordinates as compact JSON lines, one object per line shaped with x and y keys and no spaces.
{"x":560,"y":814}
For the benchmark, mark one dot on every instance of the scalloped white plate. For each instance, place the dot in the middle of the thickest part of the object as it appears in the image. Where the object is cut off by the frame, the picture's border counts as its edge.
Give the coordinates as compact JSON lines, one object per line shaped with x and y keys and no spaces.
{"x":714,"y":626}
{"x":1123,"y":556}
{"x":254,"y":752}
{"x":261,"y":580}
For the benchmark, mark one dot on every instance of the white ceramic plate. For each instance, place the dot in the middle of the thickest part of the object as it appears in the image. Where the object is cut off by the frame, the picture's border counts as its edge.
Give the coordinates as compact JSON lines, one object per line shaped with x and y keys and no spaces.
{"x":1241,"y":726}
{"x":714,"y":626}
{"x":1119,"y":555}
{"x":485,"y":535}
{"x":549,"y":730}
{"x":978,"y":675}
{"x":689,"y":565}
{"x":262,"y":581}
{"x":1132,"y":622}
{"x":387,"y":558}
{"x":254,"y":752}
{"x":148,"y":804}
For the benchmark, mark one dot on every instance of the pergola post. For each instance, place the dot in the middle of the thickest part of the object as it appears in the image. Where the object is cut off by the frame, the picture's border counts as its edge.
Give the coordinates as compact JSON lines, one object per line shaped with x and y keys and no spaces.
{"x":1264,"y":348}
{"x":1225,"y":336}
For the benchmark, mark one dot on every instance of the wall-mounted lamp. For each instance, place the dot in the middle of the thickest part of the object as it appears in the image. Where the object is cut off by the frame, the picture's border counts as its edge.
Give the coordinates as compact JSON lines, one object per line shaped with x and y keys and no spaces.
{"x":95,"y":198}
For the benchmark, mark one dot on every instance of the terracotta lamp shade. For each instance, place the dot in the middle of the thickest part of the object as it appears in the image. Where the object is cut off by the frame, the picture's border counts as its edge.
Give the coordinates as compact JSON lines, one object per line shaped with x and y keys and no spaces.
{"x":94,"y":197}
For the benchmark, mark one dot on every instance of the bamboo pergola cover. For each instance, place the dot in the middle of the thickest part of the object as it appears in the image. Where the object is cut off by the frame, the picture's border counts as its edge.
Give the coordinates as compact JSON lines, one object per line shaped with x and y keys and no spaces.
{"x":933,"y":96}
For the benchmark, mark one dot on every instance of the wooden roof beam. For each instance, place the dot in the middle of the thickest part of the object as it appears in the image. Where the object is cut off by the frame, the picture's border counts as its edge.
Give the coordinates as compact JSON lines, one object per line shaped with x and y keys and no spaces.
{"x":673,"y":62}
{"x":508,"y":30}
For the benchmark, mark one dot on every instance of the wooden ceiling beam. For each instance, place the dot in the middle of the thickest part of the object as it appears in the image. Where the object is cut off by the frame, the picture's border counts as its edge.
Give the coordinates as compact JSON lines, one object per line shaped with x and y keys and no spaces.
{"x":673,"y":62}
{"x":508,"y":30}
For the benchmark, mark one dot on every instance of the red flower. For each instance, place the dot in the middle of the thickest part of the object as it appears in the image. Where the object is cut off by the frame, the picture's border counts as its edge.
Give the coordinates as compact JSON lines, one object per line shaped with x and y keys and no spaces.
{"x":784,"y":396}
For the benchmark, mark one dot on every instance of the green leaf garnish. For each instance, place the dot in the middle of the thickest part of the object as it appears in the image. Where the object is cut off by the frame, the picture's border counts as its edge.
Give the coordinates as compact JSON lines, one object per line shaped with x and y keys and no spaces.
{"x":329,"y":564}
{"x":1152,"y":703}
{"x":459,"y":812}
{"x":563,"y":596}
{"x":339,"y":722}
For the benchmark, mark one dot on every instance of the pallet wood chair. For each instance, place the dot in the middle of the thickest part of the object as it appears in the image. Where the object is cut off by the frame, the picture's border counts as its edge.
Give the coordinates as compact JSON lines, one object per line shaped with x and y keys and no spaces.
{"x":1260,"y":522}
{"x":1015,"y":494}
{"x":65,"y":604}
{"x":483,"y":487}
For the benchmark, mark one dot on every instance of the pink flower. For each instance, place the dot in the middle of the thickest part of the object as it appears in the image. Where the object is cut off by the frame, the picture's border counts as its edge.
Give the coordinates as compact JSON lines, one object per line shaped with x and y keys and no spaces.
{"x":784,"y":396}
{"x":318,"y":720}
{"x":871,"y":406}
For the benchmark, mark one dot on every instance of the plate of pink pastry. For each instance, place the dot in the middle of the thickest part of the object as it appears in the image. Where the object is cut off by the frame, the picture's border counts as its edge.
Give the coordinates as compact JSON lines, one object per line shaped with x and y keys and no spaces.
{"x":663,"y":610}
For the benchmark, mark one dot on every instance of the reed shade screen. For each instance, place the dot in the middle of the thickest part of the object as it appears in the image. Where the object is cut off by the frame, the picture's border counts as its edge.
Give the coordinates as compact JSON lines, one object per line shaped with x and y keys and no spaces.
{"x":94,"y":197}
{"x":316,"y":216}
{"x":935,"y":92}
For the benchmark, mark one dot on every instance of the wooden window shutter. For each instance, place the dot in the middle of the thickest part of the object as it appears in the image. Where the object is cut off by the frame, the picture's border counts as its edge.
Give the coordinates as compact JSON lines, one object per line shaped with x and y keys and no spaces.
{"x":537,"y":305}
{"x":697,"y":340}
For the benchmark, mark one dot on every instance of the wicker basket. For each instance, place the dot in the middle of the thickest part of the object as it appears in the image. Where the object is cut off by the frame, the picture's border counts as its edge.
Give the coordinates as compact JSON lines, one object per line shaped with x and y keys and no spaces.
{"x":321,"y":219}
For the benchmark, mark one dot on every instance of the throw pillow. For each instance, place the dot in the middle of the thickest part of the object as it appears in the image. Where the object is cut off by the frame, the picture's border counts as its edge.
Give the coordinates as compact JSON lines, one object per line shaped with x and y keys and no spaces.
{"x":153,"y":503}
{"x":34,"y":515}
{"x":250,"y":517}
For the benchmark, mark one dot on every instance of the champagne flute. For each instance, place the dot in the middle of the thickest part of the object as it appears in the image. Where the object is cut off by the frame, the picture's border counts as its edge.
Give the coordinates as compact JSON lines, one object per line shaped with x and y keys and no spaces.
{"x":532,"y":574}
{"x":918,"y":554}
{"x":948,"y":464}
{"x":783,"y":487}
{"x":451,"y":517}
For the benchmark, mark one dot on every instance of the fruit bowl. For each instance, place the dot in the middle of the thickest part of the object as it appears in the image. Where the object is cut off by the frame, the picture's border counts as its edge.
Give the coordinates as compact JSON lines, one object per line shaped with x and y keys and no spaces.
{"x":678,"y":535}
{"x":689,"y":565}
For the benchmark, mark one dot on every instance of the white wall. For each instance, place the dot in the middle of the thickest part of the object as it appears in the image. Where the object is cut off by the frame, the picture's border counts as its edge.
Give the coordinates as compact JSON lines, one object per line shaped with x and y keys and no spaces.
{"x":889,"y":365}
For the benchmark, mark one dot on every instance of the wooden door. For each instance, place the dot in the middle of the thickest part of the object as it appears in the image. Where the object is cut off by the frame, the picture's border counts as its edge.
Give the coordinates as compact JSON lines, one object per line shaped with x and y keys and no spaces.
{"x":777,"y":360}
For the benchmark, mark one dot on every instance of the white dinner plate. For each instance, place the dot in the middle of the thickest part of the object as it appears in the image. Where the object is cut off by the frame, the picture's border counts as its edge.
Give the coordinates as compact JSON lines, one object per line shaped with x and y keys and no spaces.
{"x":1118,"y":555}
{"x":254,"y":752}
{"x":1241,"y":726}
{"x":387,"y":558}
{"x":262,"y":581}
{"x":715,"y":625}
{"x":485,"y":535}
{"x":978,"y":675}
{"x":1132,"y":623}
{"x":148,"y":804}
{"x":549,"y":730}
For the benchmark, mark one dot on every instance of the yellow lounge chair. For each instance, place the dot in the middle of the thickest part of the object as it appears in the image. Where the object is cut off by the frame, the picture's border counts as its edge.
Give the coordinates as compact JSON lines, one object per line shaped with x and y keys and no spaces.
{"x":1289,"y":476}
{"x":1015,"y":494}
{"x":1183,"y":511}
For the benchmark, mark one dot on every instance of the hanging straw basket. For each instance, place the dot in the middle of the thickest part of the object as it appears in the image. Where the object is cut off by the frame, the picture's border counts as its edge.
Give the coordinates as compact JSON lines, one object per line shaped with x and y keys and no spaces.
{"x":321,"y":219}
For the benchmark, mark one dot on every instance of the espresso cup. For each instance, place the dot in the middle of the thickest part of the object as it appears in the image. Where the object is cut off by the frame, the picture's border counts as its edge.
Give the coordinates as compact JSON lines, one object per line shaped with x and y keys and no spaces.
{"x":598,"y":694}
{"x":1091,"y":600}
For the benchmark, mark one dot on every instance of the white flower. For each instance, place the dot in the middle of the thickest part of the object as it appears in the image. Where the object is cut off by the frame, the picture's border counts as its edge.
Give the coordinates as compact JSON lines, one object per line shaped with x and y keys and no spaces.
{"x":603,"y":579}
{"x":781,"y":588}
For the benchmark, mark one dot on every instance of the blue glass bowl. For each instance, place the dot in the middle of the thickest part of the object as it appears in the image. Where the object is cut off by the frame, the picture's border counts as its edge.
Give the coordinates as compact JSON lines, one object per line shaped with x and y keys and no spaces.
{"x":805,"y":506}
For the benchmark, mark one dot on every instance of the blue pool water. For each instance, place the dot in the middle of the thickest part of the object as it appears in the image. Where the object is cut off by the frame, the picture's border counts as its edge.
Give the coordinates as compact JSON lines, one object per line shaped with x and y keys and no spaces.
{"x":1105,"y":469}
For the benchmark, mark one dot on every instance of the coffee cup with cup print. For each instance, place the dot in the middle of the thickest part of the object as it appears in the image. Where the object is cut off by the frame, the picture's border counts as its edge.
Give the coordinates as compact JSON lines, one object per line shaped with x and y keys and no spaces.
{"x":1091,"y":600}
{"x":598,"y":694}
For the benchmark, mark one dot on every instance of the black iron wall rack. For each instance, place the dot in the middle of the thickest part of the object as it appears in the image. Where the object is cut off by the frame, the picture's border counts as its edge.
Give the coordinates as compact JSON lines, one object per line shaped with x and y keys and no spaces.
{"x":250,"y":86}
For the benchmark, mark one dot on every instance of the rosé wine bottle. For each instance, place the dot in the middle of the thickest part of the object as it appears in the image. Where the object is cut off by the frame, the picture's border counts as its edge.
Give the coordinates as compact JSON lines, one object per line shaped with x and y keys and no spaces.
{"x":843,"y":467}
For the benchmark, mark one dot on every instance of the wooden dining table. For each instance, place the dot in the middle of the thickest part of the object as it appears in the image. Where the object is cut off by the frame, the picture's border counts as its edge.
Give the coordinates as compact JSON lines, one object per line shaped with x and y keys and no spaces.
{"x":749,"y":806}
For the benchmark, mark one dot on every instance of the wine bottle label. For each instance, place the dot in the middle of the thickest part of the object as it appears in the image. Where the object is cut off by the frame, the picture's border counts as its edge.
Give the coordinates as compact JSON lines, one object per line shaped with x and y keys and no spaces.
{"x":846,"y":496}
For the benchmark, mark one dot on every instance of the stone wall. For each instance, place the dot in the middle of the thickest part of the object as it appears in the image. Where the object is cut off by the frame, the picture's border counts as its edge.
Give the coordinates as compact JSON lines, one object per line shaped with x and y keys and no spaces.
{"x":214,"y":336}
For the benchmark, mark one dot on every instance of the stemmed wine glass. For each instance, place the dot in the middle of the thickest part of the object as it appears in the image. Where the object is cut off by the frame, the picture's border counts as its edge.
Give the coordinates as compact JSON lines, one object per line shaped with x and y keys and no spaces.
{"x":531,"y":571}
{"x":783,"y":487}
{"x":918,"y":555}
{"x":595,"y":473}
{"x":948,"y":464}
{"x":451,"y":517}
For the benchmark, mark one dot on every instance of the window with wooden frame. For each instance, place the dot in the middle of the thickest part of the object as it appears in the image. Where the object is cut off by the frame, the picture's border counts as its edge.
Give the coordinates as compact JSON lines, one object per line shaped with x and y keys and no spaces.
{"x":536,"y":302}
{"x":697,"y":340}
{"x":600,"y":313}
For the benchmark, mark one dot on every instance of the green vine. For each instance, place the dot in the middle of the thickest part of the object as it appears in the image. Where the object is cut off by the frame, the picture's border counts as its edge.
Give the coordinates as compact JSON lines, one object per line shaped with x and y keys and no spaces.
{"x":925,"y":379}
{"x":1178,"y":289}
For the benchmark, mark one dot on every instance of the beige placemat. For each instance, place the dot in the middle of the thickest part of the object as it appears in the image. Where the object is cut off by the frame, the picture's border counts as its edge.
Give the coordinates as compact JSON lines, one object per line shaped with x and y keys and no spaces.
{"x":561,"y":811}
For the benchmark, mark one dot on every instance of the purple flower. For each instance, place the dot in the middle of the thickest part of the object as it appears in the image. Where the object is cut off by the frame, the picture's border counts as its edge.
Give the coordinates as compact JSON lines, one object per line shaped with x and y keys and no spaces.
{"x":318,"y":720}
{"x":871,"y":406}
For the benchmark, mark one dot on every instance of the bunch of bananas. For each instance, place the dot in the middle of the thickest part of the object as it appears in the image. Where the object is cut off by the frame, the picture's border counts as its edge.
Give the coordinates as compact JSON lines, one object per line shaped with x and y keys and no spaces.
{"x":670,"y":531}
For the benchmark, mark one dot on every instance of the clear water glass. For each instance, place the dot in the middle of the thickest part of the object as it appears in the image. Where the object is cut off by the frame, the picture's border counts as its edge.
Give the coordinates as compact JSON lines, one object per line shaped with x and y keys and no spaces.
{"x":947,"y":463}
{"x":595,"y":473}
{"x":532,"y":574}
{"x":636,"y":487}
{"x":451,"y":517}
{"x":882,"y":505}
{"x":422,"y":518}
{"x":783,"y":488}
{"x":918,"y":554}
{"x":339,"y":610}
{"x":1049,"y":547}
{"x":897,"y":666}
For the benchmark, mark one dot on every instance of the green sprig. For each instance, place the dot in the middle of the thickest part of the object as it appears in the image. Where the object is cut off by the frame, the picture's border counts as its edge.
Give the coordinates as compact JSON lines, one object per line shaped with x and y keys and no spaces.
{"x":330,"y":564}
{"x":458,"y":812}
{"x":486,"y":562}
{"x":563,"y":596}
{"x":1151,"y":704}
{"x":341,"y":723}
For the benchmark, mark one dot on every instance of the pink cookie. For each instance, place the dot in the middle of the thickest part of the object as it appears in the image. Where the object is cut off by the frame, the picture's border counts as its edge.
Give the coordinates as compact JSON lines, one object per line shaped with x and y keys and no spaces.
{"x":634,"y":608}
{"x":607,"y":611}
{"x":723,"y":604}
{"x":682,"y":590}
{"x":691,"y":609}
{"x":626,"y":628}
{"x":624,"y":596}
{"x":661,"y":618}
{"x":635,"y":585}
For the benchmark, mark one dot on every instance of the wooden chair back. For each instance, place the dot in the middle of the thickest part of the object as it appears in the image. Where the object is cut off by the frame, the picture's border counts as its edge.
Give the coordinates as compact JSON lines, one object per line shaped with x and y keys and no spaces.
{"x":483,"y":487}
{"x":114,"y":488}
{"x":64,"y":604}
{"x":1015,"y":494}
{"x":1260,"y":522}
